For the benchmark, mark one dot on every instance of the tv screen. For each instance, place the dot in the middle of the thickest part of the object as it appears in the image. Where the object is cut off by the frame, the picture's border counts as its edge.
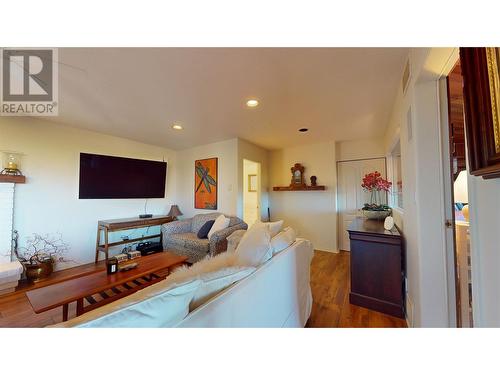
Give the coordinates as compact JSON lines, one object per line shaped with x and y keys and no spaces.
{"x":111,"y":177}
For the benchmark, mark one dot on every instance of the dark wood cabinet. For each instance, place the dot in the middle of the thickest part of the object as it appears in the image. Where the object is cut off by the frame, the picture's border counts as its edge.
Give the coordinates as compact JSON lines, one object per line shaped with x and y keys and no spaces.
{"x":377,"y":267}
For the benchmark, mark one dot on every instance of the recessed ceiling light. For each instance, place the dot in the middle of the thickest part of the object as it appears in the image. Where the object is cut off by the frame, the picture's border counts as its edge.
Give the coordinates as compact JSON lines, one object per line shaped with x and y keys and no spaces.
{"x":252,"y":103}
{"x":177,"y":127}
{"x":303,"y":130}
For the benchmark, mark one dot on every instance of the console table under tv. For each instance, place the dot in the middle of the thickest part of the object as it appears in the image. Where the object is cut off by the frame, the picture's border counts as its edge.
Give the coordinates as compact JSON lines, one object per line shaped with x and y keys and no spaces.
{"x":108,"y":226}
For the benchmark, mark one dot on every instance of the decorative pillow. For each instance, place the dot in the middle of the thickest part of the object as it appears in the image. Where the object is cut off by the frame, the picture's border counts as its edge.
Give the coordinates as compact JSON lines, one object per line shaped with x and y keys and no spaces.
{"x":283,"y":240}
{"x":220,"y":223}
{"x":254,"y":248}
{"x":234,"y":239}
{"x":163,"y":304}
{"x":275,"y":227}
{"x":205,"y":228}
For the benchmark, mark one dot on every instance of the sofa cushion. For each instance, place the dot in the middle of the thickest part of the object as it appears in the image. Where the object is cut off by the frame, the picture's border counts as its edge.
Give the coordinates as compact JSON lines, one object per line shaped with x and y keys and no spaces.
{"x":234,"y":239}
{"x":190,"y":240}
{"x":254,"y":248}
{"x":283,"y":239}
{"x":275,"y":227}
{"x":205,"y":228}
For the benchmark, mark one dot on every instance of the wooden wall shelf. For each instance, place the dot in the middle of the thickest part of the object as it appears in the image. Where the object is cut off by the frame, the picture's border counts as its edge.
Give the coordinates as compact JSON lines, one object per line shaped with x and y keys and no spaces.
{"x":299,"y":188}
{"x":12,"y":178}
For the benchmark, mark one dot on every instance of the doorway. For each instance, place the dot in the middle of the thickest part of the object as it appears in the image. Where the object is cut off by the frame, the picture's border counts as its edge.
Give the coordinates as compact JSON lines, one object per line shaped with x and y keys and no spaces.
{"x":456,"y":197}
{"x":350,"y":195}
{"x":251,"y":191}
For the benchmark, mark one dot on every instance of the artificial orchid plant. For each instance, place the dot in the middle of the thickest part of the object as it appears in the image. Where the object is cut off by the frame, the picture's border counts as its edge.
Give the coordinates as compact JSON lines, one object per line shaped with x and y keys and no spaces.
{"x":374,"y":183}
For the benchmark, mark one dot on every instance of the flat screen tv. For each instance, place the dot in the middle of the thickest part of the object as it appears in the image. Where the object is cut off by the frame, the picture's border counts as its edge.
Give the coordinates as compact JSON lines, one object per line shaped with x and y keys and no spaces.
{"x":111,"y":177}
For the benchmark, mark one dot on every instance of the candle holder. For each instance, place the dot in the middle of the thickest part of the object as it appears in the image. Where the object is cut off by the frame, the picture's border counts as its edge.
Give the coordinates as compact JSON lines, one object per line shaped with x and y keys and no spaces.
{"x":11,"y":164}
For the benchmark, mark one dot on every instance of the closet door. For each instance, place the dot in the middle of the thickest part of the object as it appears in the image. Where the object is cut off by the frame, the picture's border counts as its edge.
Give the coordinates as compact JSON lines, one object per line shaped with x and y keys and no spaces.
{"x":350,"y":195}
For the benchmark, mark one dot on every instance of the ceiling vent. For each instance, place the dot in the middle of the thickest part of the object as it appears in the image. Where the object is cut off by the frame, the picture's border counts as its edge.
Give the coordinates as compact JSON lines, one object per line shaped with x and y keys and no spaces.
{"x":406,"y":76}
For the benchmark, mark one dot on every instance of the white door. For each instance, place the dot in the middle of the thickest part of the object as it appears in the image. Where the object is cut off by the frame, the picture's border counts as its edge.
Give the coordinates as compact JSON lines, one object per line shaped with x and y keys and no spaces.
{"x":350,"y":195}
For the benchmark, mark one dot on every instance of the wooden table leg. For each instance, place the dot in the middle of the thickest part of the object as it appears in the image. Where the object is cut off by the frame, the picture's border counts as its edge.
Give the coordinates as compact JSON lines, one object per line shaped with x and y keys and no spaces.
{"x":106,"y":243}
{"x":79,"y":307}
{"x":65,"y":312}
{"x":97,"y":243}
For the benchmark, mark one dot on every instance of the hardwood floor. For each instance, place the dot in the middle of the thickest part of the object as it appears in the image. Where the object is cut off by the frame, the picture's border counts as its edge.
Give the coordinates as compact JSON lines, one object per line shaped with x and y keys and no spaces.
{"x":330,"y":288}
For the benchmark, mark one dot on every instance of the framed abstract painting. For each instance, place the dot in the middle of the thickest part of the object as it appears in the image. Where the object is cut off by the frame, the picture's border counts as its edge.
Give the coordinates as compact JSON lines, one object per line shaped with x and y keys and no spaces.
{"x":205,"y":184}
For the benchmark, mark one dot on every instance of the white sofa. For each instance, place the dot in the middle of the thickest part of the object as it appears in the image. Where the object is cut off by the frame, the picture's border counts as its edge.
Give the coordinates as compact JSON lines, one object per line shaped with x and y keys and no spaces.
{"x":276,"y":294}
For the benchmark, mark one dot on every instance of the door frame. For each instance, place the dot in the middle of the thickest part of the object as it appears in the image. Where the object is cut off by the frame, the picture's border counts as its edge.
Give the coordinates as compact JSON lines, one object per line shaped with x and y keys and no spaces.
{"x":259,"y":188}
{"x":451,"y":256}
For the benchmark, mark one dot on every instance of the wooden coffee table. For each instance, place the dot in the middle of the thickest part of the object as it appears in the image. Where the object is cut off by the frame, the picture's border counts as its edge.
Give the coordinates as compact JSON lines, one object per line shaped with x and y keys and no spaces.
{"x":98,"y":289}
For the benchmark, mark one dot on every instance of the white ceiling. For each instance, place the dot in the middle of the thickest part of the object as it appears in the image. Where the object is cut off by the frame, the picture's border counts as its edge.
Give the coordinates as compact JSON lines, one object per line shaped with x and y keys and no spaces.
{"x":137,"y":93}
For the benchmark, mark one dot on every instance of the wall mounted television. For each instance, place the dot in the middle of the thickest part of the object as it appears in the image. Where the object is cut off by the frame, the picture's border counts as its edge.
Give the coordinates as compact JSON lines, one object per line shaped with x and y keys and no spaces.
{"x":112,"y":177}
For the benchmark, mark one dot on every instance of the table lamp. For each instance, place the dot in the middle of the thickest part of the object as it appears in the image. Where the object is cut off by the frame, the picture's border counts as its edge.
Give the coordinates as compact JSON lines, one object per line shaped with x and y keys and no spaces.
{"x":460,"y":193}
{"x":174,"y":211}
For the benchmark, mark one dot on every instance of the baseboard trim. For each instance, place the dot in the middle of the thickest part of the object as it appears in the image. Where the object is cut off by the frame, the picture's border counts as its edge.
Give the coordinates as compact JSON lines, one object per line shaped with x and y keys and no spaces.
{"x":335,"y":251}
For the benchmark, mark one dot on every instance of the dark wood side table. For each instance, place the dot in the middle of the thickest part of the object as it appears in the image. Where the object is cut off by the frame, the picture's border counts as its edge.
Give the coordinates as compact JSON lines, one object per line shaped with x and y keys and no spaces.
{"x":377,"y":267}
{"x":107,"y":226}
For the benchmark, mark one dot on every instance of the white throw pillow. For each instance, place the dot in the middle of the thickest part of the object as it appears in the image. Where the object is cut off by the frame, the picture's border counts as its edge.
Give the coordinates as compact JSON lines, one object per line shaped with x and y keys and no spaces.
{"x":220,"y":223}
{"x":283,"y":240}
{"x":254,"y":248}
{"x":163,"y":304}
{"x":275,"y":227}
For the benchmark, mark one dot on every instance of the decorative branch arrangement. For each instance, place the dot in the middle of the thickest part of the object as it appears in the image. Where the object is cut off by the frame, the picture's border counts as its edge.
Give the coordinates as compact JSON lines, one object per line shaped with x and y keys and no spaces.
{"x":41,"y":248}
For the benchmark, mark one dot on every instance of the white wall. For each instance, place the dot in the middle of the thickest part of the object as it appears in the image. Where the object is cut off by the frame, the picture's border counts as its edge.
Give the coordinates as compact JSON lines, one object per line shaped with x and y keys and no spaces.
{"x":360,"y":149}
{"x":48,"y":202}
{"x":311,"y":213}
{"x":227,"y":181}
{"x":231,"y":154}
{"x":6,"y":220}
